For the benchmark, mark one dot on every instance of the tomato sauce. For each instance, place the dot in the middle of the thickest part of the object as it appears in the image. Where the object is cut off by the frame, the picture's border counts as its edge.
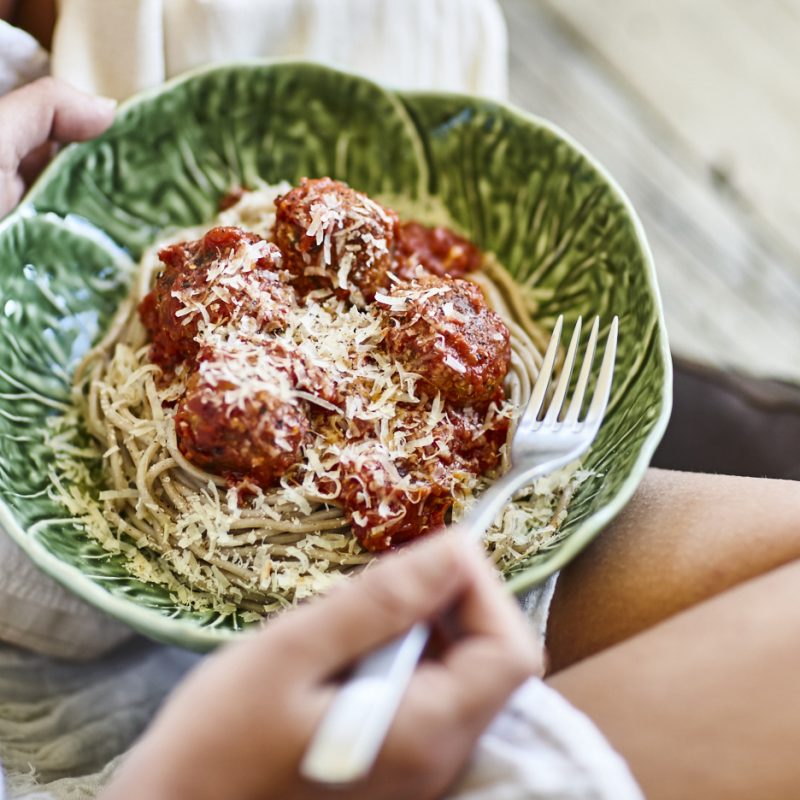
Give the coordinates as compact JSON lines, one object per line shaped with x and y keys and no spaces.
{"x":255,"y":397}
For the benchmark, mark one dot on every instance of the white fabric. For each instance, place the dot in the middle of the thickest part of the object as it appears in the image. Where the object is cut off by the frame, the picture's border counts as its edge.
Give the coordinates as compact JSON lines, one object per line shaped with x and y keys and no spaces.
{"x":21,"y":58}
{"x":116,"y":48}
{"x":64,"y":725}
{"x":541,"y":747}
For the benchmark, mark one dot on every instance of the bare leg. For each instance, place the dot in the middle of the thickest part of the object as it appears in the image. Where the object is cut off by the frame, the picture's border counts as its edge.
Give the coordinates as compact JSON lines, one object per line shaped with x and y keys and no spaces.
{"x":684,"y":537}
{"x":705,"y":705}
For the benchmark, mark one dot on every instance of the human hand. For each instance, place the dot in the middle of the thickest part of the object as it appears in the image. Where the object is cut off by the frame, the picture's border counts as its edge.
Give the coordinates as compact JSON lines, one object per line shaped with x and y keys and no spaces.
{"x":237,"y":728}
{"x":33,"y":120}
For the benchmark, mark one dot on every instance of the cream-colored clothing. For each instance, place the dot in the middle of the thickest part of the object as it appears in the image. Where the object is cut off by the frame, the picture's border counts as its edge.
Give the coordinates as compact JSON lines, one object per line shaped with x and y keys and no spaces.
{"x":117,"y":48}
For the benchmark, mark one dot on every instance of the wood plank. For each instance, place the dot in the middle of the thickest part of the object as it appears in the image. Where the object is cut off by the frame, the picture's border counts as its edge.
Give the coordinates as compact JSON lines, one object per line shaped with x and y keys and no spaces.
{"x":723,"y":75}
{"x":731,"y":291}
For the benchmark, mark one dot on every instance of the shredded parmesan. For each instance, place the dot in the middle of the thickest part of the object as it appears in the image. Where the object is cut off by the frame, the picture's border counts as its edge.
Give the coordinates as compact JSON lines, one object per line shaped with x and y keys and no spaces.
{"x":238,"y":547}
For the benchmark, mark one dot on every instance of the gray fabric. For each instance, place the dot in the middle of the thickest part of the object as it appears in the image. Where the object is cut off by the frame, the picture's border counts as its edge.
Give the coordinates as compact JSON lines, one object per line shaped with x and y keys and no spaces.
{"x":40,"y":615}
{"x":731,"y":424}
{"x":63,"y":726}
{"x":62,"y":723}
{"x":39,"y":695}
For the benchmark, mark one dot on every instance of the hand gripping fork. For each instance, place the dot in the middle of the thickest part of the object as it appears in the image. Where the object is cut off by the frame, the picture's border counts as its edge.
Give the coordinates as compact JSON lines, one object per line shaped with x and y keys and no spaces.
{"x":347,"y":741}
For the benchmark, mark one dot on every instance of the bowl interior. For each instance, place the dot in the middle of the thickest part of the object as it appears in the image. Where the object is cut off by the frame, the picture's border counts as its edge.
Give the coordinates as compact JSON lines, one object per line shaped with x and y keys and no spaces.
{"x":516,"y":185}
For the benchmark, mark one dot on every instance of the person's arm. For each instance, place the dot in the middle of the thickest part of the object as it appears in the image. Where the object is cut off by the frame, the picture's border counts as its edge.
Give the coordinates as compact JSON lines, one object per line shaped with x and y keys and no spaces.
{"x":683,"y":538}
{"x":238,"y":727}
{"x":705,"y":704}
{"x":33,"y":120}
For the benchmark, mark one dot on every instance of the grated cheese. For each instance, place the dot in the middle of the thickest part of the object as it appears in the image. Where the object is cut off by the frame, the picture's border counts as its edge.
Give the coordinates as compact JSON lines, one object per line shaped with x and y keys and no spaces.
{"x":211,"y":552}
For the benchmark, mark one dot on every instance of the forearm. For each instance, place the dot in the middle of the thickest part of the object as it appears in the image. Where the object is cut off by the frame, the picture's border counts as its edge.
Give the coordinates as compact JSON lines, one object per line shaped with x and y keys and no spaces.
{"x":683,"y":538}
{"x":129,"y":784}
{"x":706,"y":703}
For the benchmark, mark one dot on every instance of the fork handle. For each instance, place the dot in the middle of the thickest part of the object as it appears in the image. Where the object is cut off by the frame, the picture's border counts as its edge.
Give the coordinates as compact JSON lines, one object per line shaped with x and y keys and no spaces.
{"x":347,"y":741}
{"x":477,"y":521}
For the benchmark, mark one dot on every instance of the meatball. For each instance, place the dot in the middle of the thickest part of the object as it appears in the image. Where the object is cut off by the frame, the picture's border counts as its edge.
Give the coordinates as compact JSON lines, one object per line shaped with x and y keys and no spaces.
{"x":335,"y":237}
{"x":239,"y":418}
{"x":228,"y":274}
{"x":466,"y":439}
{"x":475,"y":438}
{"x":444,"y":331}
{"x":289,"y":362}
{"x":383,"y":513}
{"x":438,"y":251}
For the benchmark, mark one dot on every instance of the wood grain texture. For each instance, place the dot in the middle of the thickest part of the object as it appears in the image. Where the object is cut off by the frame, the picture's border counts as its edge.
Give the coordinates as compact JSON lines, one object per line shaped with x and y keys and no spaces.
{"x":723,"y":76}
{"x":730,"y":282}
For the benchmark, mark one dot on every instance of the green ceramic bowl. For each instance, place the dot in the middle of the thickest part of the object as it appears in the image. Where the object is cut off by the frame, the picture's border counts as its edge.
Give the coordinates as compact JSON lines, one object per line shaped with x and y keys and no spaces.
{"x":514,"y":183}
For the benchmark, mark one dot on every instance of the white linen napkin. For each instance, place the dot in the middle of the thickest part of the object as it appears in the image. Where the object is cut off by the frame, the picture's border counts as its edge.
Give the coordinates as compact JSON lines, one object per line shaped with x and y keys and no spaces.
{"x":21,"y":58}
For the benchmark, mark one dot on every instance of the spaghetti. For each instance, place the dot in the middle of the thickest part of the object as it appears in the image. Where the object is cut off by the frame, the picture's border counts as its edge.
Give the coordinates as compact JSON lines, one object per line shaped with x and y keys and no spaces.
{"x":262,"y":545}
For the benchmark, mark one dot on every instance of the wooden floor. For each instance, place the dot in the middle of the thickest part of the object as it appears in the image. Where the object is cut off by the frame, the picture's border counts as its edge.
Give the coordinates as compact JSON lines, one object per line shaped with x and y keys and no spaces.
{"x":694,"y":106}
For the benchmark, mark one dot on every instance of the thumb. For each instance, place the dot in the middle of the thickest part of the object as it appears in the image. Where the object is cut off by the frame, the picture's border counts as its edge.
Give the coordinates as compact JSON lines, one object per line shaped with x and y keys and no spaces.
{"x":386,"y":600}
{"x":48,"y":110}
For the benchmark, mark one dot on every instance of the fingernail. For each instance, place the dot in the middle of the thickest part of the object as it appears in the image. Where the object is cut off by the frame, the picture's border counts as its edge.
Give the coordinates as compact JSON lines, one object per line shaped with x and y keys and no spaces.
{"x":108,"y":103}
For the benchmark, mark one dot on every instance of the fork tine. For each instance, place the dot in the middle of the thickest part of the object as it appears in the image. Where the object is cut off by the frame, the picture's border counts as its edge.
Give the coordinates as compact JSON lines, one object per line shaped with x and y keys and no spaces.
{"x":602,"y":389}
{"x":545,"y":373}
{"x":554,"y":409}
{"x":576,"y":404}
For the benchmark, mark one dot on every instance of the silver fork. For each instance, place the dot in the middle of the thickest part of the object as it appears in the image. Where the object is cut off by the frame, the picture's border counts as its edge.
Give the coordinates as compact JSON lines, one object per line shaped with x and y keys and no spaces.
{"x":347,"y":741}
